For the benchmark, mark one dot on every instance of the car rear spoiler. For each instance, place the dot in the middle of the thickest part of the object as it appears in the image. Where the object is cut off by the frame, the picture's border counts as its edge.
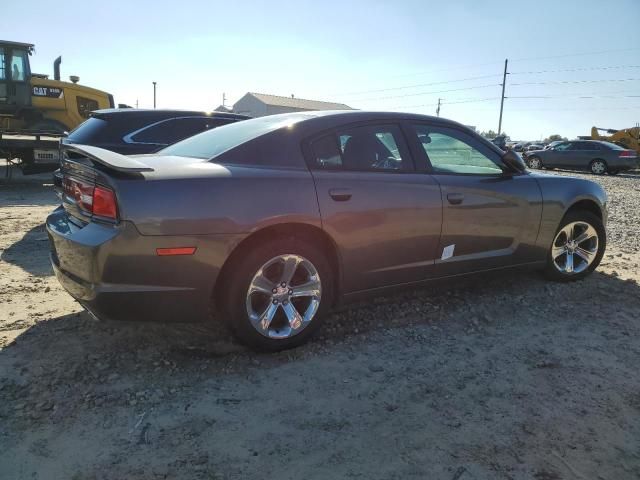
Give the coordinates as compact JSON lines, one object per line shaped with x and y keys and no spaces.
{"x":113,"y":160}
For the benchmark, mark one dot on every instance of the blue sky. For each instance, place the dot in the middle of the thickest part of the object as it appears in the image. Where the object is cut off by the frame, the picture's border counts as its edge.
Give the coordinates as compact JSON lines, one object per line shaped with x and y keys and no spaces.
{"x":377,"y":55}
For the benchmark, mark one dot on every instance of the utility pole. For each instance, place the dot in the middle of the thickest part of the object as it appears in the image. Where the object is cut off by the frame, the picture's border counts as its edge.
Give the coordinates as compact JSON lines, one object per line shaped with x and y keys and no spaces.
{"x":224,"y":99}
{"x":438,"y":109}
{"x":154,"y":95}
{"x":504,"y":81}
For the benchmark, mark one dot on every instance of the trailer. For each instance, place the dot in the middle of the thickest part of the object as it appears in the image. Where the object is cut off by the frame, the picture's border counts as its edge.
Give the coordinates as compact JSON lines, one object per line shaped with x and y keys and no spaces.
{"x":31,"y":151}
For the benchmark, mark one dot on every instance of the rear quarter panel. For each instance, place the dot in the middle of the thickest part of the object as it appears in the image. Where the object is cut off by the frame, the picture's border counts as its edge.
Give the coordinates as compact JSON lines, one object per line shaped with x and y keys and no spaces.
{"x":208,"y":198}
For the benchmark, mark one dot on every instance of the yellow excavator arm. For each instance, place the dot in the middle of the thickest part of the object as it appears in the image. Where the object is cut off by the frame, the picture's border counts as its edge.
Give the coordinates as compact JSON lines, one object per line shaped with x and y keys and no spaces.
{"x":626,"y":137}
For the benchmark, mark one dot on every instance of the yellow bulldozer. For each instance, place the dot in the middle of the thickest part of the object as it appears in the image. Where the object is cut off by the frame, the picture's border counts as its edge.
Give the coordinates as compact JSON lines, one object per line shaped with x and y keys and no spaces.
{"x":36,"y":110}
{"x":626,"y":137}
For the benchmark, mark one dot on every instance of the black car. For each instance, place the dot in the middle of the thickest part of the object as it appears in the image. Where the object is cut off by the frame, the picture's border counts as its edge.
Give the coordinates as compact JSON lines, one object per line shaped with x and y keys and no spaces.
{"x":133,"y":131}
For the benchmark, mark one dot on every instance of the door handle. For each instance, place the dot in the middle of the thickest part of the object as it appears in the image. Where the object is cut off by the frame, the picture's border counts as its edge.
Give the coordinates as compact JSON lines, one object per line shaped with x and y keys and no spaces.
{"x":340,"y":194}
{"x":455,"y":198}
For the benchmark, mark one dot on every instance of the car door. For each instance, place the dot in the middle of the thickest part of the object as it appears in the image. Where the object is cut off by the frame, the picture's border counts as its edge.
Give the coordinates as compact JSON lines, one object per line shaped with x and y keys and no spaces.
{"x":588,"y":152}
{"x":384,"y":217}
{"x":491,"y":216}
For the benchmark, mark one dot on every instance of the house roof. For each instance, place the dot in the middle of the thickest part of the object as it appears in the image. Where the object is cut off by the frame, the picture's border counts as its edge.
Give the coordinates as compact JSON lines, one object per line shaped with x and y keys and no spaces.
{"x":300,"y":103}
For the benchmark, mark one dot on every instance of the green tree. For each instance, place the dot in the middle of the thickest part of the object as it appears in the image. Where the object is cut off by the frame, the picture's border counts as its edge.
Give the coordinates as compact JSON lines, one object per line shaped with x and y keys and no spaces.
{"x":490,"y":134}
{"x":555,"y":138}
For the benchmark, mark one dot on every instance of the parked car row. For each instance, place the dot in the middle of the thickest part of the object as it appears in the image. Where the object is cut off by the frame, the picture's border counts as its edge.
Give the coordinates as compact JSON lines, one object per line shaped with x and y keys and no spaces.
{"x":272,"y":221}
{"x":596,"y":156}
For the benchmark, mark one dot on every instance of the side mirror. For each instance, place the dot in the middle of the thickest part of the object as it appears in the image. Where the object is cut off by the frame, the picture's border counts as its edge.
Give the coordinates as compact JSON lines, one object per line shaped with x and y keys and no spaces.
{"x":514,"y":161}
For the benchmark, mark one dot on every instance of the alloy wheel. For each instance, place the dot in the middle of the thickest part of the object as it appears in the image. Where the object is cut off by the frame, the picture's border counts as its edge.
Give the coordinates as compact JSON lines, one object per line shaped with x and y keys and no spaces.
{"x":535,"y":163}
{"x":575,"y":248}
{"x":284,"y":296}
{"x":598,"y":167}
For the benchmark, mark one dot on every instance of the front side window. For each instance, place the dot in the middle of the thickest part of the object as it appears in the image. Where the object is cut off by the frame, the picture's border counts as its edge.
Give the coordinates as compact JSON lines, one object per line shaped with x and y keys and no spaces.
{"x":367,"y":148}
{"x":18,"y":62}
{"x":564,"y":147}
{"x":450,"y":151}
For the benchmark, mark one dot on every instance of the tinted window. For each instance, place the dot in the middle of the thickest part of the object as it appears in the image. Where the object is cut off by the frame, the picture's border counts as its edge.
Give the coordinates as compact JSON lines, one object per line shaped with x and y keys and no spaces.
{"x":171,"y":131}
{"x":450,"y":151}
{"x":212,"y":143}
{"x":326,"y":152}
{"x":589,"y":146}
{"x":2,"y":74}
{"x":89,"y":131}
{"x":368,"y":148}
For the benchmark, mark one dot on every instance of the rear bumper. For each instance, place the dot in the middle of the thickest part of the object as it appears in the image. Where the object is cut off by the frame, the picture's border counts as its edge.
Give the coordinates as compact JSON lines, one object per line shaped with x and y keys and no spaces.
{"x":114,"y":272}
{"x":623,"y":163}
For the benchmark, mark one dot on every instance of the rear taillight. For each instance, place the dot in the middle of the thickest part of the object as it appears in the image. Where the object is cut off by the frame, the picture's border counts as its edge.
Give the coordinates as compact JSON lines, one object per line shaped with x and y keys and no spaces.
{"x":92,"y":199}
{"x":628,"y":154}
{"x":104,"y":202}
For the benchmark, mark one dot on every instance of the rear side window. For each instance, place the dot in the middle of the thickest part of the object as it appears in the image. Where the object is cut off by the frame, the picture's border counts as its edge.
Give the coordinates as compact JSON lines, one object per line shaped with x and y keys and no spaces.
{"x":214,"y":142}
{"x":368,"y":148}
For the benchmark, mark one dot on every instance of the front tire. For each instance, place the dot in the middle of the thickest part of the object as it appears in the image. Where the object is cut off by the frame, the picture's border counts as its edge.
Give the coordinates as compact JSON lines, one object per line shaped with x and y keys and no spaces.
{"x":598,"y":167}
{"x":577,"y":248}
{"x":535,"y":163}
{"x":278,"y":293}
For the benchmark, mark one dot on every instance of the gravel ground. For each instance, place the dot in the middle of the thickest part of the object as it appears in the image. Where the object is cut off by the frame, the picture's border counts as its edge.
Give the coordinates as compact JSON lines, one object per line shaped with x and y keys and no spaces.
{"x":500,"y":376}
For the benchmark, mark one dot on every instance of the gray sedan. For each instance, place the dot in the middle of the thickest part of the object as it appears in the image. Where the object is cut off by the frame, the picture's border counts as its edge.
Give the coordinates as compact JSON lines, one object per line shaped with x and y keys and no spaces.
{"x":593,"y":155}
{"x":271,"y":222}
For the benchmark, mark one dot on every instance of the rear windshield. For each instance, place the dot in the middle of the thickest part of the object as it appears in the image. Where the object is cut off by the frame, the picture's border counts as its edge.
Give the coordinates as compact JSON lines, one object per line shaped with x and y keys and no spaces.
{"x":212,"y":143}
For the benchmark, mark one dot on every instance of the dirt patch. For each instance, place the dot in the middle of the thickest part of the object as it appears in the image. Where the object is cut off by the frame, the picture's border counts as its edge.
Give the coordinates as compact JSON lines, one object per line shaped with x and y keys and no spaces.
{"x":501,"y":376}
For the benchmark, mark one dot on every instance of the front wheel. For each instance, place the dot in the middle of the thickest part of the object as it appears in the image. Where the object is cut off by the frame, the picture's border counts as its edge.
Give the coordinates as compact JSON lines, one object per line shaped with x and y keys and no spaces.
{"x":535,"y":162}
{"x":577,"y":248}
{"x":277,"y":294}
{"x":598,"y":167}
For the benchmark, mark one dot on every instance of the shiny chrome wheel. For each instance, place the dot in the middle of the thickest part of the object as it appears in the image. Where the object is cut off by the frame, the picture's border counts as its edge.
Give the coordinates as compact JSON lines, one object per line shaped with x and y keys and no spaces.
{"x":598,"y":167}
{"x":575,"y":248}
{"x":535,"y":162}
{"x":284,"y":296}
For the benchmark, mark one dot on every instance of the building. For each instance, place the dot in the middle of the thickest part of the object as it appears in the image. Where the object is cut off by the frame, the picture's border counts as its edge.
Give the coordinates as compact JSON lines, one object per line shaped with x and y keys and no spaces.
{"x":260,"y":105}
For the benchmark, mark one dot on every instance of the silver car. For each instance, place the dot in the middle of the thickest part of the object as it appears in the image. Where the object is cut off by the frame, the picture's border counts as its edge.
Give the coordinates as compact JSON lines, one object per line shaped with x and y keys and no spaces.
{"x":597,"y":156}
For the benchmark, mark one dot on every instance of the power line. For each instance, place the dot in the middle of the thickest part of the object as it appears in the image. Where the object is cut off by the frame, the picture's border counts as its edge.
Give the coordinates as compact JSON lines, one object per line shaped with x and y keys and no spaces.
{"x":573,"y":82}
{"x":417,"y":85}
{"x":542,"y":97}
{"x":428,"y":93}
{"x":486,"y":99}
{"x":588,"y":69}
{"x":575,"y":54}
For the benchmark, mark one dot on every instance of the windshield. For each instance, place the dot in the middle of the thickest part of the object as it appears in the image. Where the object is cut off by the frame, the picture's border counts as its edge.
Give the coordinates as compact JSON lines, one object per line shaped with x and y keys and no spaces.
{"x":212,"y":143}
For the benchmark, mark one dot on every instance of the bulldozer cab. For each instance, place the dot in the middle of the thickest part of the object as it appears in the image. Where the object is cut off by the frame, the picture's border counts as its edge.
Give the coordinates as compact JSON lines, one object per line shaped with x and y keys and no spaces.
{"x":15,"y":76}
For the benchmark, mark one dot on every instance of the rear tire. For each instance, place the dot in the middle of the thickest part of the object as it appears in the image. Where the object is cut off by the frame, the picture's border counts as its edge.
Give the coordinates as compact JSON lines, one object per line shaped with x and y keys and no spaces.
{"x":580,"y":242}
{"x":598,"y":167}
{"x":256,"y":297}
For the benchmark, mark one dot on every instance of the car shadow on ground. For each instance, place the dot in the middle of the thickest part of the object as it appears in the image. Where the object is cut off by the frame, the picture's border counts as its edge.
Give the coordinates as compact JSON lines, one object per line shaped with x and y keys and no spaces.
{"x":470,"y":303}
{"x":31,"y":252}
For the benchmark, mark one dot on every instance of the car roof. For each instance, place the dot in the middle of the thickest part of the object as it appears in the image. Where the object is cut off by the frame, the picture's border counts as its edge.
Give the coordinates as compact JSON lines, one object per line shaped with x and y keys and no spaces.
{"x":320,"y":118}
{"x":160,"y":114}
